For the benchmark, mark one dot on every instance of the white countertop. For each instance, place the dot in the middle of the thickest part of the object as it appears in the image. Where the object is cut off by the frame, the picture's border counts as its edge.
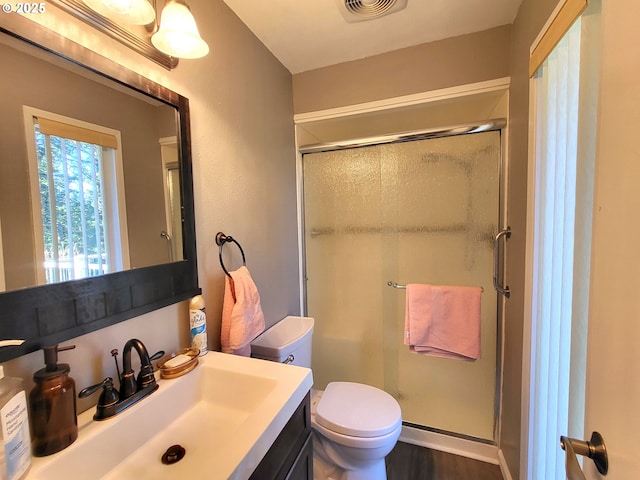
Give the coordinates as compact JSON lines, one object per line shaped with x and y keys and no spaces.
{"x":226,"y":414}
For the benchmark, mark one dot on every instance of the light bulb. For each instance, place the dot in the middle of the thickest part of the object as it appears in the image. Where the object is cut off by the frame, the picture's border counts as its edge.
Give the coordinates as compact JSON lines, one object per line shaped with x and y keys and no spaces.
{"x":134,"y":12}
{"x":121,"y":7}
{"x":178,"y":34}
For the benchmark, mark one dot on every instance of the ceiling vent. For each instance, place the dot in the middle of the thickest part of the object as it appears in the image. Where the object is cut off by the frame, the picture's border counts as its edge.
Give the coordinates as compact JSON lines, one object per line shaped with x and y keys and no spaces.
{"x":360,"y":10}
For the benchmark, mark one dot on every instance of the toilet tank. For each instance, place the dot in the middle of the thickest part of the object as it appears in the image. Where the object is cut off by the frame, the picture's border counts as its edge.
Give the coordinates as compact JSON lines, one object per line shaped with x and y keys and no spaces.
{"x":290,"y":336}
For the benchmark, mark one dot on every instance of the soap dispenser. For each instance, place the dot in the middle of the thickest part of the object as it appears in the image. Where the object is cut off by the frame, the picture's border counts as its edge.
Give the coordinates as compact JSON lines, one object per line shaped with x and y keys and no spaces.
{"x":52,"y":402}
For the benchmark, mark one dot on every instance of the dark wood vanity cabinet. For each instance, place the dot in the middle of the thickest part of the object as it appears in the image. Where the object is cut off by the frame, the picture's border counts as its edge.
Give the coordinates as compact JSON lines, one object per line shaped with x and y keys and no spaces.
{"x":291,"y":455}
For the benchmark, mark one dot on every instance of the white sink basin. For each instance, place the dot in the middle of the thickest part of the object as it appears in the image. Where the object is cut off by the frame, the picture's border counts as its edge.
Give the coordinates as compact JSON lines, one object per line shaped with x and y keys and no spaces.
{"x":226,"y":414}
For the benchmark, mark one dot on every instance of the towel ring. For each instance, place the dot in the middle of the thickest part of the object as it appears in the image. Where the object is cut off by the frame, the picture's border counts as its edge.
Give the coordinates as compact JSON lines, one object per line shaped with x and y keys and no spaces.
{"x":221,"y":239}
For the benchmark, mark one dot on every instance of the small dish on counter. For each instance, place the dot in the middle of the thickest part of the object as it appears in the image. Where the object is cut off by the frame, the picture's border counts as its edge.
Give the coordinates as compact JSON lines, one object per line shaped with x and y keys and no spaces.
{"x":176,"y":364}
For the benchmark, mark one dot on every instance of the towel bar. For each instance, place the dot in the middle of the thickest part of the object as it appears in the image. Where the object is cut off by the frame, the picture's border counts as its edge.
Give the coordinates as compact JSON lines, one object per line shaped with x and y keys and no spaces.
{"x":403,"y":287}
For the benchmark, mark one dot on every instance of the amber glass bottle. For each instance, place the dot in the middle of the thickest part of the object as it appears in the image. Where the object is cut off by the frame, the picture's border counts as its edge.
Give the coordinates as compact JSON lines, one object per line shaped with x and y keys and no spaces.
{"x":52,"y":402}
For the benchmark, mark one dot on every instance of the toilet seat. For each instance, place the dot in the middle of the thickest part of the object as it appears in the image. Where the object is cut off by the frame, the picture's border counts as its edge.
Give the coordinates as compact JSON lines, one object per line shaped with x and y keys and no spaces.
{"x":359,"y":442}
{"x":357,"y":410}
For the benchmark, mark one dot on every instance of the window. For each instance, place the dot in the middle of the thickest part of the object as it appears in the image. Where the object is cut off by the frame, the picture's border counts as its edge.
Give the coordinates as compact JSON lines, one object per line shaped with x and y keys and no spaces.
{"x":564,"y":103}
{"x":79,"y":218}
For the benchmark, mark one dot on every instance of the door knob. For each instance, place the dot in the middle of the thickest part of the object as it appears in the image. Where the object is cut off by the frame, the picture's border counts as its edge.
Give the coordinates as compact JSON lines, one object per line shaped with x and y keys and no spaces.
{"x":594,"y":449}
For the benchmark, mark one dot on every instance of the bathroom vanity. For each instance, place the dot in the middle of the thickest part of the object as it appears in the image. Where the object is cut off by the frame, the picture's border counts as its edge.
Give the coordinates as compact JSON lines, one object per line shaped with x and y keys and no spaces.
{"x":291,"y":455}
{"x":234,"y":416}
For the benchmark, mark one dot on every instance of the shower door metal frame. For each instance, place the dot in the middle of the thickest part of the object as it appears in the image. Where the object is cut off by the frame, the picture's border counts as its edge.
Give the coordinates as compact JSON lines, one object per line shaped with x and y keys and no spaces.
{"x":426,"y":134}
{"x":499,"y":124}
{"x":492,"y":125}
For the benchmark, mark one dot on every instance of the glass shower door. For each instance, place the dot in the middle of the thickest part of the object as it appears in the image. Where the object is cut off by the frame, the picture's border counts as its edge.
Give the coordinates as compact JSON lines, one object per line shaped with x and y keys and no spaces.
{"x":423,"y":211}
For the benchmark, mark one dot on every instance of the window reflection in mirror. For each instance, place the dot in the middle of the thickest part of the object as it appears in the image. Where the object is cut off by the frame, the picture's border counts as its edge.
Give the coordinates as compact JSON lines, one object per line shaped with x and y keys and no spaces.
{"x":77,"y":196}
{"x":150,"y":230}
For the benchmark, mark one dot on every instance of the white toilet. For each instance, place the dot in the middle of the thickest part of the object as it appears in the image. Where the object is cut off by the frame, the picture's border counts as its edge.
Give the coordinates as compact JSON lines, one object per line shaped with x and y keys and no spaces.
{"x":355,"y":426}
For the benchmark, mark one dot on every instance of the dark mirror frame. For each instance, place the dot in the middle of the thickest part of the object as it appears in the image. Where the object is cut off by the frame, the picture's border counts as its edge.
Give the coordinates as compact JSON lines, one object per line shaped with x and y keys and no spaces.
{"x":51,"y":314}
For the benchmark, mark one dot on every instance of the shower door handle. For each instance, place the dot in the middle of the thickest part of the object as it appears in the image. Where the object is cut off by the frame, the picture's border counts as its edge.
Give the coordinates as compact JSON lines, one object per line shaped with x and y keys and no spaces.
{"x":496,"y":262}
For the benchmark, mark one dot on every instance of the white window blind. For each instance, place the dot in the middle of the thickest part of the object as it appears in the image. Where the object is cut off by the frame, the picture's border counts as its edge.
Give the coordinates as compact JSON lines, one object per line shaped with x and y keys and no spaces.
{"x":565,"y":106}
{"x":557,"y":130}
{"x":75,"y":132}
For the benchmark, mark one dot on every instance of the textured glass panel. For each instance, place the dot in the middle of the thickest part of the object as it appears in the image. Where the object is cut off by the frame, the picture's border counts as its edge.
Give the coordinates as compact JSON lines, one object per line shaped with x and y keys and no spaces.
{"x":342,"y":200}
{"x":414,"y":212}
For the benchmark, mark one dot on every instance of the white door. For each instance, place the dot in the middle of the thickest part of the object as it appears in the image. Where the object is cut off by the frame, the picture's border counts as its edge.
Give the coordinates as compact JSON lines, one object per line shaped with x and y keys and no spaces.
{"x":613,"y":369}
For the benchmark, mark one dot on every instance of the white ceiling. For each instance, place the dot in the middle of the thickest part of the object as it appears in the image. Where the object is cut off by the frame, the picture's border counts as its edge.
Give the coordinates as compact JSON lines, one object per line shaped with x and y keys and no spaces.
{"x":309,"y":34}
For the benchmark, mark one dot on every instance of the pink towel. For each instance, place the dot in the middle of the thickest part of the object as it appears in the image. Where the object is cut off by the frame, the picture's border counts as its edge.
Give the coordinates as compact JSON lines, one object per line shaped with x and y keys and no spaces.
{"x":443,"y":321}
{"x":242,"y":317}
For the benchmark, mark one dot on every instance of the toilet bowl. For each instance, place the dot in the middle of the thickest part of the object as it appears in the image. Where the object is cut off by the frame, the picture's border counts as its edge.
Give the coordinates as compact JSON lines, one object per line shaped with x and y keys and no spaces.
{"x":355,"y":426}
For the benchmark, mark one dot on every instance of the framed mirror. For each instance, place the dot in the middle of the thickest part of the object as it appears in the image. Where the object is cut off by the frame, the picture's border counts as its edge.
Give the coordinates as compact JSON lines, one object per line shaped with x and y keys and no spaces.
{"x":96,"y":193}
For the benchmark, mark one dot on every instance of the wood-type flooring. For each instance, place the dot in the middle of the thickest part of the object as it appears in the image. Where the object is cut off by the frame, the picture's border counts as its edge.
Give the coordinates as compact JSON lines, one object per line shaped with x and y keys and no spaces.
{"x":409,"y":462}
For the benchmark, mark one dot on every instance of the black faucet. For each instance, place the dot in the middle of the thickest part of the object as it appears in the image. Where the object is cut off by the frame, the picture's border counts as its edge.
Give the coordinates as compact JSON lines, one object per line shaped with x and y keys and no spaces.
{"x":112,"y":402}
{"x":128,"y":383}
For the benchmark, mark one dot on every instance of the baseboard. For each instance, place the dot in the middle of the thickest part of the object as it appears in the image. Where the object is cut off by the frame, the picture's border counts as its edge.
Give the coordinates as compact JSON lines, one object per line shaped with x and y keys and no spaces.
{"x":504,"y":468}
{"x":446,"y":443}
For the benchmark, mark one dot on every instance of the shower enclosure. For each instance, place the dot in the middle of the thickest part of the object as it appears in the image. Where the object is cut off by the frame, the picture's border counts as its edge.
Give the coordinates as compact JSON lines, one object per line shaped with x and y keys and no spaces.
{"x":422,"y":211}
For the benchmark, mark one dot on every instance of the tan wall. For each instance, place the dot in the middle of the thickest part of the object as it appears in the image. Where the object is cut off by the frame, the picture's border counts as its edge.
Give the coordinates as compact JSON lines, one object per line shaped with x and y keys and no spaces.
{"x":137,"y":120}
{"x":244,"y":180}
{"x":475,"y":57}
{"x":531,"y":17}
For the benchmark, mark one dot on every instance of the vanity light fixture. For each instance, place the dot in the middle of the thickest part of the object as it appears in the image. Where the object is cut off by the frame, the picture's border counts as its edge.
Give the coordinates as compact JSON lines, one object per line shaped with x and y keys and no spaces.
{"x":178,"y":34}
{"x":134,"y":12}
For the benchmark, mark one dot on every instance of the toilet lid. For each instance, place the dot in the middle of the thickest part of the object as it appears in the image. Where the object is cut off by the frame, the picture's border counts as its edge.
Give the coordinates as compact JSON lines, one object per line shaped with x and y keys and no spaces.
{"x":358,"y":410}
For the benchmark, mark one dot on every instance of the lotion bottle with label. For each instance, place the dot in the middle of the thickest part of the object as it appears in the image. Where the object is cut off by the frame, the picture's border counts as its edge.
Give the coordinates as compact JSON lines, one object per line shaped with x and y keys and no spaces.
{"x":15,"y":454}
